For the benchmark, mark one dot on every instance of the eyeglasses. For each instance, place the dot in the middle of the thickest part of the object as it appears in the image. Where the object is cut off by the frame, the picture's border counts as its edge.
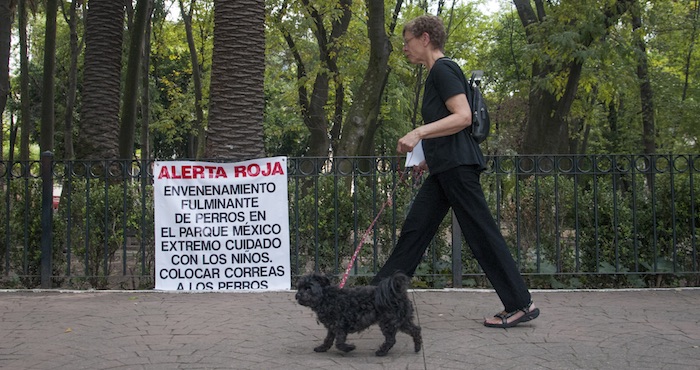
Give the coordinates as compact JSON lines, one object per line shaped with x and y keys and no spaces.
{"x":406,"y":41}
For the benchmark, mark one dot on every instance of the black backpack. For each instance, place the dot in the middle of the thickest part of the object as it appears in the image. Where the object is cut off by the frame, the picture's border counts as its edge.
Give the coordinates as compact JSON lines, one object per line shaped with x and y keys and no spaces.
{"x":481,"y":123}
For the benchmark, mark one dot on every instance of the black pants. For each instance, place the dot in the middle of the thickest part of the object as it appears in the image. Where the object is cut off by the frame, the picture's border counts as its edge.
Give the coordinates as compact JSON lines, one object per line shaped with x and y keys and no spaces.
{"x":460,"y":189}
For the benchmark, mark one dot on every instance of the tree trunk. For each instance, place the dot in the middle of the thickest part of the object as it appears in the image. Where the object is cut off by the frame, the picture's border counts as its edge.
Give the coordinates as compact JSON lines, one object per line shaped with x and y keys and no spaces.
{"x":547,"y":130}
{"x":47,"y":97}
{"x":7,"y":9}
{"x":238,"y":69}
{"x":25,"y":123}
{"x":145,"y":95}
{"x":72,"y":20}
{"x":362,"y":120}
{"x":99,"y":123}
{"x":646,"y":92}
{"x":131,"y":87}
{"x":313,"y":106}
{"x":694,"y":17}
{"x":197,"y":142}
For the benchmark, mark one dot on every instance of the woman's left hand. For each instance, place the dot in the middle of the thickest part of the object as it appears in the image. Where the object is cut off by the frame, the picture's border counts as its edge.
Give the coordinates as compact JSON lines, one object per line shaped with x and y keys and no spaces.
{"x":423,"y":167}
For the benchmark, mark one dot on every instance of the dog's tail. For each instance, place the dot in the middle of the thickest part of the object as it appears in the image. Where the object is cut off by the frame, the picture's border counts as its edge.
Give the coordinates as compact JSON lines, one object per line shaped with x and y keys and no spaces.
{"x":391,"y":292}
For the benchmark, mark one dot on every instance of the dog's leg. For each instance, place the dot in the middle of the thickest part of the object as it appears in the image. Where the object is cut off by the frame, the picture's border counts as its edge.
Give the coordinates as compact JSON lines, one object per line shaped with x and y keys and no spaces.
{"x":389,"y":332}
{"x":327,"y":343}
{"x":340,"y":344}
{"x":414,"y":331}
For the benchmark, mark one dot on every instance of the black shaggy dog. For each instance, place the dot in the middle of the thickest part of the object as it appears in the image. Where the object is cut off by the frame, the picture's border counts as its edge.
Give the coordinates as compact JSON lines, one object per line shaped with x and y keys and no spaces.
{"x":351,"y":310}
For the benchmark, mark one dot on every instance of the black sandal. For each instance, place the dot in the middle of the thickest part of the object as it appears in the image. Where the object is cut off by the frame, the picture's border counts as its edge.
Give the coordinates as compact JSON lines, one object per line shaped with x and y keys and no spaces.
{"x":504,"y":316}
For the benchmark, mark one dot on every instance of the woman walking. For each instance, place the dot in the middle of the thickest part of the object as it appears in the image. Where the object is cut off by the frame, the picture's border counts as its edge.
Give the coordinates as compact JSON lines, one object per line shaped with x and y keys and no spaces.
{"x":455,"y":162}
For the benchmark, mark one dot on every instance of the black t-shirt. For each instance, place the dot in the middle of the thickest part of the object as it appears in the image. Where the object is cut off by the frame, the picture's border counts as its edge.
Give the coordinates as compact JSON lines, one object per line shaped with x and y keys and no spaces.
{"x":443,"y":153}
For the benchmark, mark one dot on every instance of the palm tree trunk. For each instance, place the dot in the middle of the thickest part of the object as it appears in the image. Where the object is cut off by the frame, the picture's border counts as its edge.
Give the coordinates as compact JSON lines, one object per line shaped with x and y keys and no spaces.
{"x":99,"y":123}
{"x":238,"y":69}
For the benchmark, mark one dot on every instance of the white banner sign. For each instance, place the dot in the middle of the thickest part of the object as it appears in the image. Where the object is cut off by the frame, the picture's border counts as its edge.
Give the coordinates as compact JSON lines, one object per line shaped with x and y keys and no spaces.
{"x":222,"y":226}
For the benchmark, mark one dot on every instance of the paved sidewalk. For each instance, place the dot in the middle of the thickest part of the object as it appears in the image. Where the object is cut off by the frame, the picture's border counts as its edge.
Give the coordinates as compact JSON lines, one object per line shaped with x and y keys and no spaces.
{"x":647,"y":329}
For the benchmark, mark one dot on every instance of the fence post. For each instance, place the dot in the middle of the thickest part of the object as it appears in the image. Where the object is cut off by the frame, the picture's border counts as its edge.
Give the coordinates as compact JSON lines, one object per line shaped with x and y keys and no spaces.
{"x":46,"y":218}
{"x":456,"y":253}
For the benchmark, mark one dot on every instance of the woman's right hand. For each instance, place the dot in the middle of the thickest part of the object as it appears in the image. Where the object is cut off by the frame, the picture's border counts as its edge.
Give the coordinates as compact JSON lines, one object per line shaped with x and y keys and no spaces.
{"x":408,"y":142}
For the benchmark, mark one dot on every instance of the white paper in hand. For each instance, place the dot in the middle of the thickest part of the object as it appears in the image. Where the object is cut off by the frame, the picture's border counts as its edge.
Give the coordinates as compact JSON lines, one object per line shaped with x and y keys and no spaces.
{"x":416,"y":156}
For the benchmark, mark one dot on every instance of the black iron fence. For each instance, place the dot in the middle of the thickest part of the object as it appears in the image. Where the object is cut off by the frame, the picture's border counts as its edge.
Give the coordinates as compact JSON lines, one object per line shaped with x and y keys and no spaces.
{"x":571,"y":221}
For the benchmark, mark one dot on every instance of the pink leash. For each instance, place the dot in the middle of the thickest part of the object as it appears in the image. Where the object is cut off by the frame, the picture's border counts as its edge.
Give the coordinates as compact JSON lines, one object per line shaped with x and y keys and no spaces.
{"x":371,"y":226}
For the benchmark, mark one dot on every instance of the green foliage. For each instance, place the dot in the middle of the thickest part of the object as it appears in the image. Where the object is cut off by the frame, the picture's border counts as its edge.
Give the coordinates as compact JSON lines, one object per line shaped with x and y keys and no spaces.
{"x":285,"y":132}
{"x":88,"y":235}
{"x":329,"y":220}
{"x":172,"y":87}
{"x":590,"y":228}
{"x":604,"y":116}
{"x":602,"y":226}
{"x":24,"y":235}
{"x":330,"y":215}
{"x":98,"y":232}
{"x":591,"y":225}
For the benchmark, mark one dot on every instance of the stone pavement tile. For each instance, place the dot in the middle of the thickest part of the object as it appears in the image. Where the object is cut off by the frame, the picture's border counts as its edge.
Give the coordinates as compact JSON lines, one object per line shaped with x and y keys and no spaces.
{"x":647,"y":329}
{"x":602,"y":330}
